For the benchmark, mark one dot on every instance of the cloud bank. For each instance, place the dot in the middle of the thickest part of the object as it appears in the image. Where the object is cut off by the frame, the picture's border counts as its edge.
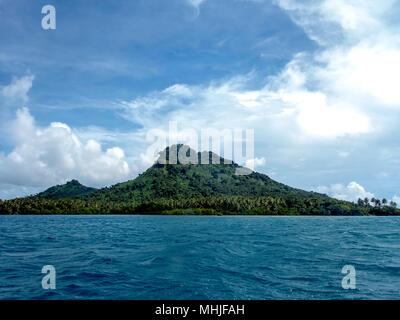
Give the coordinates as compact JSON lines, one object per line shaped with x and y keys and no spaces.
{"x":352,"y":192}
{"x":44,"y":156}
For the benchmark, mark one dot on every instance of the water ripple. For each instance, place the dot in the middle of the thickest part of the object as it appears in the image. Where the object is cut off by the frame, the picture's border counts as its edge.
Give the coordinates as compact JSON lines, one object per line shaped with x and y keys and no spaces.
{"x":156,"y":257}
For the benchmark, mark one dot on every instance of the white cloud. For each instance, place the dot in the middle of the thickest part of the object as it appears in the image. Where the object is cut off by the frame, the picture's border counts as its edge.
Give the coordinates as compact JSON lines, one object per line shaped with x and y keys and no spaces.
{"x":396,"y":199}
{"x":317,"y":118}
{"x":212,"y":106}
{"x":230,"y":104}
{"x":327,"y":21}
{"x":348,"y":14}
{"x":44,"y":156}
{"x":18,"y":89}
{"x":360,"y":64}
{"x":195,"y":3}
{"x":254,"y":163}
{"x":352,"y":192}
{"x":317,"y":113}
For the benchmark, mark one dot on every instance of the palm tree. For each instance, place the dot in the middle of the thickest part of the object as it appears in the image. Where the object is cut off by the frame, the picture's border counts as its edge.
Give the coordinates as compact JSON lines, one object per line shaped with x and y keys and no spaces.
{"x":384,"y":201}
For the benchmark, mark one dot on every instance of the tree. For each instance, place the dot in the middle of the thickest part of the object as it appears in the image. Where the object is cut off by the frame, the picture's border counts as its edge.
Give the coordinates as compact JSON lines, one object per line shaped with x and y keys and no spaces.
{"x":384,"y":201}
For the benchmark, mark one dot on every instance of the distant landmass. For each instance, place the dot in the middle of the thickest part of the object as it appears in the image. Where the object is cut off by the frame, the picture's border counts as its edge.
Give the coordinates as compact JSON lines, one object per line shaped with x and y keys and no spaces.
{"x":69,"y":190}
{"x":173,"y":187}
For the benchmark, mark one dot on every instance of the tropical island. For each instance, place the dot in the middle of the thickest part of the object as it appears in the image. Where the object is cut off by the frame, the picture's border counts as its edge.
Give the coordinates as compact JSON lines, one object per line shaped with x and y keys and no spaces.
{"x":192,"y":188}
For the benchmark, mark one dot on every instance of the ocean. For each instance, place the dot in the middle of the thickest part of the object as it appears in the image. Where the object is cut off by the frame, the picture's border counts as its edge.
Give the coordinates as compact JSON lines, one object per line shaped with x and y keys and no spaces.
{"x":199,"y":257}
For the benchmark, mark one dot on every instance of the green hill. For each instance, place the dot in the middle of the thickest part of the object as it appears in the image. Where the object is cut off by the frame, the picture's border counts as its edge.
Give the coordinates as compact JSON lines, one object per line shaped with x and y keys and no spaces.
{"x":69,"y":190}
{"x":181,"y":181}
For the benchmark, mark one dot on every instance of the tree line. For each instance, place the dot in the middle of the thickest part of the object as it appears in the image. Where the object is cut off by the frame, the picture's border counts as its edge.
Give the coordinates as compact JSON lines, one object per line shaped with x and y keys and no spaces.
{"x":210,"y":205}
{"x":377,"y":203}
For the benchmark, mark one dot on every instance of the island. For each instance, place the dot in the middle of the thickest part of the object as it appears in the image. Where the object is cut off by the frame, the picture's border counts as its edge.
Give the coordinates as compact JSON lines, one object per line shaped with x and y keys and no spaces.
{"x":192,"y":188}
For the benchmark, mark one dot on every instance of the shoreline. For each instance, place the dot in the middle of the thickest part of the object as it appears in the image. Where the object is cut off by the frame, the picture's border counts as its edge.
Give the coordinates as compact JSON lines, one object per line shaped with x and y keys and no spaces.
{"x":190,"y":215}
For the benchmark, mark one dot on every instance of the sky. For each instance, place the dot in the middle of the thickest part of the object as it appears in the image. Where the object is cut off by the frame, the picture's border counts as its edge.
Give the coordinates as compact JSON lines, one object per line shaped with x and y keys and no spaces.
{"x":317,"y":81}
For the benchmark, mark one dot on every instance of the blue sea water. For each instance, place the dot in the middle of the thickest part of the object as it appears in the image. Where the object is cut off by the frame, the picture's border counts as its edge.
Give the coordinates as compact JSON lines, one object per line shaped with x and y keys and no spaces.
{"x":192,"y":257}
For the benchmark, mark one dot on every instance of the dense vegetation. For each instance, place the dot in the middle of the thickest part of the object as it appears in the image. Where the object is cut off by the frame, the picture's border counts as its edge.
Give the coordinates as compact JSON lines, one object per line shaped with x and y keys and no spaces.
{"x":201,"y":205}
{"x":69,"y":190}
{"x":167,"y":188}
{"x":186,"y":181}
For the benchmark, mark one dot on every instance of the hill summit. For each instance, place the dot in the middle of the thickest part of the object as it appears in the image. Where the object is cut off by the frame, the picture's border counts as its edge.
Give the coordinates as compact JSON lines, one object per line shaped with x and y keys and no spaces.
{"x":180,"y":172}
{"x":71,"y":189}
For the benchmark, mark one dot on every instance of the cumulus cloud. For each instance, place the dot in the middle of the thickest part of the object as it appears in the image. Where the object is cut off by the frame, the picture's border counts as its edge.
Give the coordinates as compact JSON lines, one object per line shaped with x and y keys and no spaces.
{"x":43,"y":156}
{"x":191,"y":104}
{"x":327,"y":21}
{"x":18,"y":89}
{"x":284,"y":101}
{"x":358,"y":63}
{"x":352,"y":192}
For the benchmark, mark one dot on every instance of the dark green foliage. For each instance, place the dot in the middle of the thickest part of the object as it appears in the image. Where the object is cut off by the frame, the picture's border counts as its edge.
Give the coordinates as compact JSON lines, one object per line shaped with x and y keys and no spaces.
{"x":180,"y":181}
{"x":202,"y":189}
{"x":69,"y":190}
{"x":226,"y":205}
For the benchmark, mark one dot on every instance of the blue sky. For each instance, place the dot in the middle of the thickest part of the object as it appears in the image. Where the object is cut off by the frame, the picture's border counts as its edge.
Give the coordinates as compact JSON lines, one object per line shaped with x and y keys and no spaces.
{"x":123,"y":49}
{"x":316,"y":80}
